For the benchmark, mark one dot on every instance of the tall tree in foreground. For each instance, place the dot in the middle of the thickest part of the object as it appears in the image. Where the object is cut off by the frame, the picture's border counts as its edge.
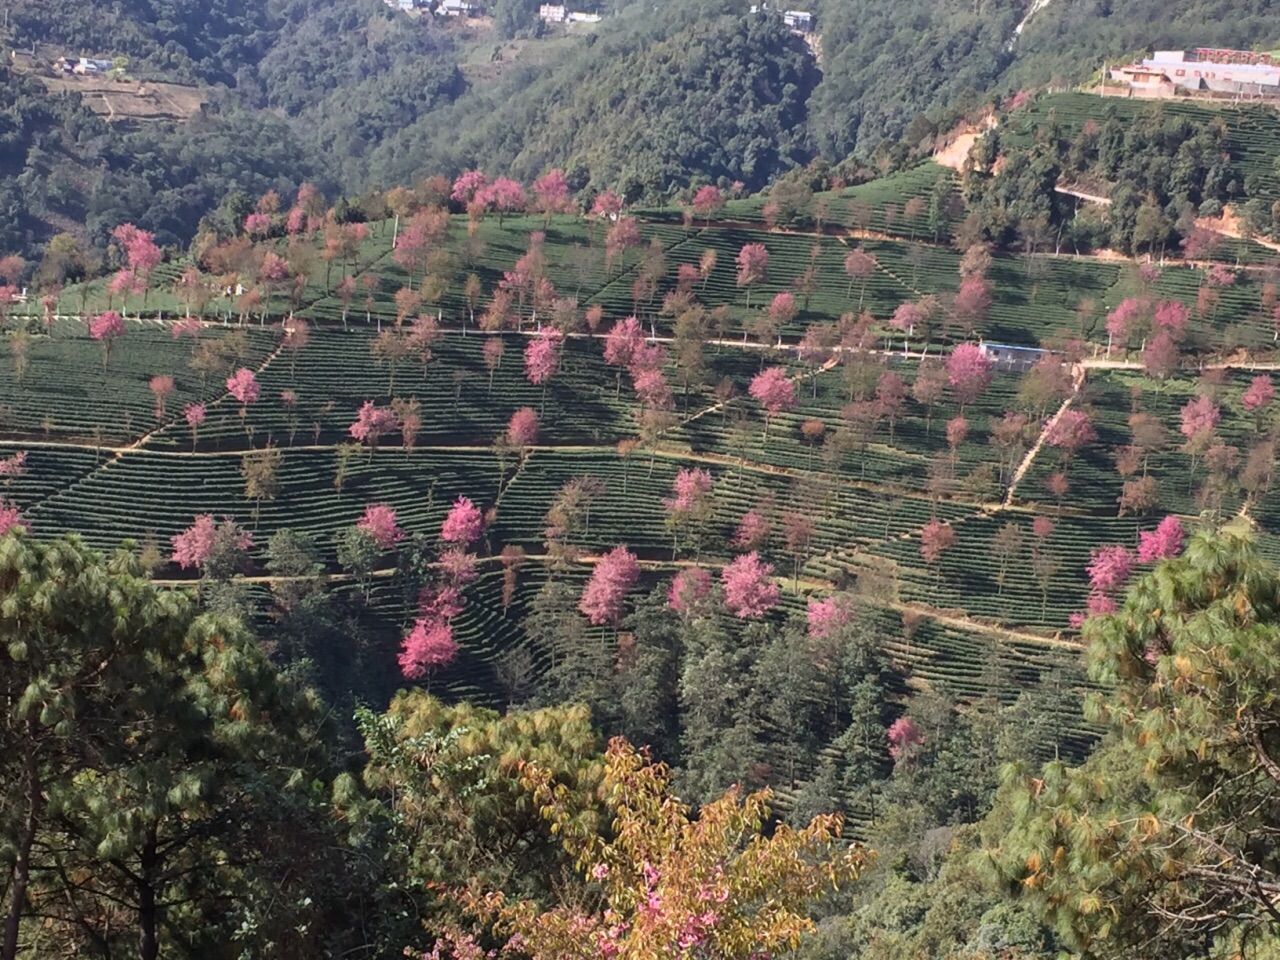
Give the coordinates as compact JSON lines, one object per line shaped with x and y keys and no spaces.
{"x":150,"y":761}
{"x":1164,"y":843}
{"x":672,"y":885}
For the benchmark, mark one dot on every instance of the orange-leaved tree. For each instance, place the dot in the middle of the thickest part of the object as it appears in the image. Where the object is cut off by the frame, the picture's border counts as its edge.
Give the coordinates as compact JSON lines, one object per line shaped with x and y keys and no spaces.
{"x":665,"y":883}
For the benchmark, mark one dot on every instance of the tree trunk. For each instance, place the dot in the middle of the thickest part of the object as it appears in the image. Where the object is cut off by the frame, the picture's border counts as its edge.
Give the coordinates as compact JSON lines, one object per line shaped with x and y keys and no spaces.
{"x":148,"y":911}
{"x":22,"y":862}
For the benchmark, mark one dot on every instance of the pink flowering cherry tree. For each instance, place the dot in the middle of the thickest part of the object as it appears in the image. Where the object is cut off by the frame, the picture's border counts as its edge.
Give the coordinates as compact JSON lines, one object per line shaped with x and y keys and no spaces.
{"x":689,"y":592}
{"x":1257,"y":398}
{"x":213,"y":548}
{"x":464,"y":524}
{"x":10,"y":517}
{"x":827,"y":617}
{"x":1163,"y":542}
{"x":428,"y":647}
{"x":522,"y":430}
{"x":162,"y":387}
{"x":372,"y":423}
{"x":604,"y":597}
{"x":542,"y":358}
{"x":379,"y":522}
{"x":106,"y":328}
{"x":195,"y":414}
{"x":749,"y":589}
{"x":13,"y":467}
{"x":775,"y":392}
{"x":752,"y":532}
{"x":1070,"y":433}
{"x":690,"y":505}
{"x":904,"y":739}
{"x":968,"y":373}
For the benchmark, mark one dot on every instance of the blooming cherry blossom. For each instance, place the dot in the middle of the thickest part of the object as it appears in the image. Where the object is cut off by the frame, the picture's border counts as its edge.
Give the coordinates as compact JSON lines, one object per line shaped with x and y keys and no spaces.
{"x":603,"y":599}
{"x":379,"y":521}
{"x":464,"y":524}
{"x":749,"y":590}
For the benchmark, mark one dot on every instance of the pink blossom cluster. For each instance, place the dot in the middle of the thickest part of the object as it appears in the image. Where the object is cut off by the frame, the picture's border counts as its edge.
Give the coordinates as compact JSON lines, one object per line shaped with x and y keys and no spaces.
{"x":10,"y":517}
{"x":106,"y":326}
{"x":379,"y":521}
{"x":903,"y":736}
{"x":243,"y":386}
{"x":373,"y":422}
{"x":1259,"y":394}
{"x":690,"y":488}
{"x":542,"y":356}
{"x":689,"y":591}
{"x":968,"y":372}
{"x":11,"y":468}
{"x":604,"y":597}
{"x":773,"y":390}
{"x":193,"y":546}
{"x":1199,"y":416}
{"x":1163,"y":542}
{"x":522,"y":430}
{"x":464,"y":523}
{"x":829,"y":616}
{"x":752,"y":532}
{"x":428,"y":646}
{"x":749,"y":589}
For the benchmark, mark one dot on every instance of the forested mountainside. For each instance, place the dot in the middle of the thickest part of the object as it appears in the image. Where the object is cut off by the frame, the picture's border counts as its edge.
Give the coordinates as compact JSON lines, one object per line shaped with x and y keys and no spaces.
{"x":648,"y":102}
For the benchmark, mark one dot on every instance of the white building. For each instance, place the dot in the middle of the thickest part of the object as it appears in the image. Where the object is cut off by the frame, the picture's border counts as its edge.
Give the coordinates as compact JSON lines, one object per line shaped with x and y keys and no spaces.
{"x":799,"y":20}
{"x":553,"y":13}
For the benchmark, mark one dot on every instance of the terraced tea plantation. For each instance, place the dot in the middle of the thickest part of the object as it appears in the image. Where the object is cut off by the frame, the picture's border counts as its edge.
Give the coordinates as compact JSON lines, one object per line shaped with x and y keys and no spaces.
{"x":302,"y":444}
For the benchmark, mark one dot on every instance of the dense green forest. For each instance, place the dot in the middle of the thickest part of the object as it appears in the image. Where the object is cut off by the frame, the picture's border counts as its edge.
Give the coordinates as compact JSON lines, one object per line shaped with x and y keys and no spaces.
{"x":351,"y":94}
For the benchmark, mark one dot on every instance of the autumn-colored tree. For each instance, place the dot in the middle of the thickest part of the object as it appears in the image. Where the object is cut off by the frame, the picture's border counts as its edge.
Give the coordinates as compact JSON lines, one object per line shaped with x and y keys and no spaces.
{"x":860,"y":266}
{"x":928,"y":387}
{"x":260,"y":470}
{"x":936,"y":538}
{"x":492,"y":352}
{"x":162,"y":387}
{"x":673,"y":886}
{"x":753,"y":267}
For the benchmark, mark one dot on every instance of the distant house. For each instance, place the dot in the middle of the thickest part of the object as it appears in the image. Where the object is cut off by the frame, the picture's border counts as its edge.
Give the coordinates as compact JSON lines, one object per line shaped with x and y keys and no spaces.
{"x":801,"y":21}
{"x":458,"y":8}
{"x":1237,"y":73}
{"x":88,"y":66}
{"x":1006,"y":357}
{"x":584,"y":17}
{"x":553,"y":13}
